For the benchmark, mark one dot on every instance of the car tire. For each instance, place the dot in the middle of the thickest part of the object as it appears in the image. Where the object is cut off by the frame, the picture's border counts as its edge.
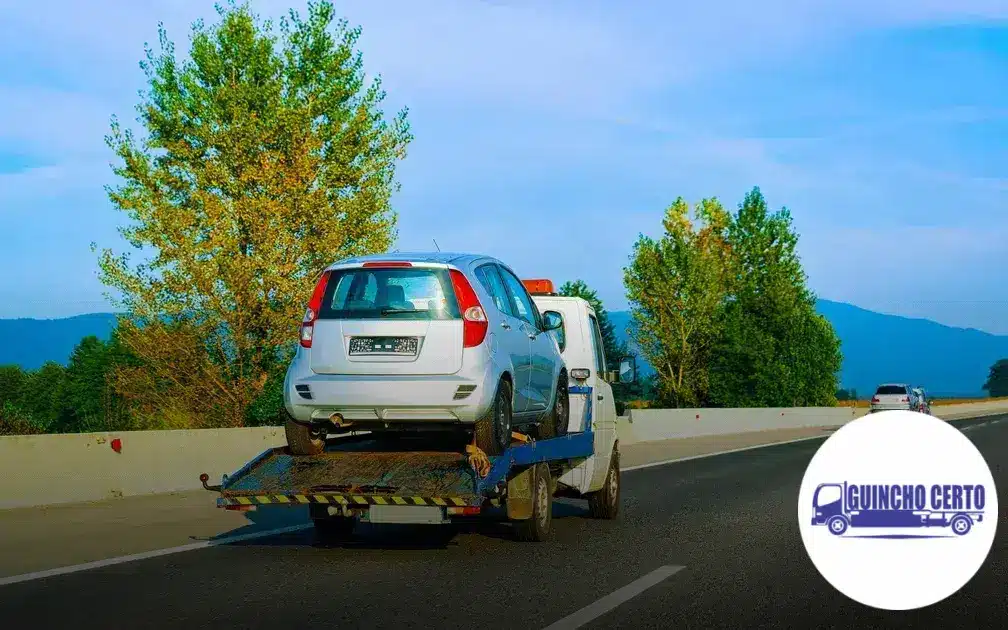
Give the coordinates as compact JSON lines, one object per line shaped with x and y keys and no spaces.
{"x":540,"y":526}
{"x":493,"y":430}
{"x":556,"y":421}
{"x":605,"y":503}
{"x":303,"y":439}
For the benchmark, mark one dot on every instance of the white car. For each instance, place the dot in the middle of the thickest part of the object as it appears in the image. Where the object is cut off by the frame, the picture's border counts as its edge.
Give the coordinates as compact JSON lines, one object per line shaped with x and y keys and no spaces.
{"x":893,"y":396}
{"x":434,"y":341}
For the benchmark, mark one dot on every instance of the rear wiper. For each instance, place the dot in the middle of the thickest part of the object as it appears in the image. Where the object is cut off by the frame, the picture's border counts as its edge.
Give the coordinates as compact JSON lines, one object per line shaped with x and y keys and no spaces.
{"x":391,"y":311}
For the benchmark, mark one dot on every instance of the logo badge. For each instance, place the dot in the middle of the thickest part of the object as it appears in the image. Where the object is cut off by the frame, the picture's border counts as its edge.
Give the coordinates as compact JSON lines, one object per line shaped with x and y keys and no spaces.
{"x":898,"y":510}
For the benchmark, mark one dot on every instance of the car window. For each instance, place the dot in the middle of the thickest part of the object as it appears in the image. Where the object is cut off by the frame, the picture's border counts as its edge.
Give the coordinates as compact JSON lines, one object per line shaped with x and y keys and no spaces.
{"x":600,"y":363}
{"x":891,"y":390}
{"x":491,"y":281}
{"x":520,"y":300}
{"x":389,"y":293}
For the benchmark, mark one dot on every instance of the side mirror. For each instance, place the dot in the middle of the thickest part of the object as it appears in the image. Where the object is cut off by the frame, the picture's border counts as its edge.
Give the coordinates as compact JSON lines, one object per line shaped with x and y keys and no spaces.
{"x":628,"y":370}
{"x":552,"y":320}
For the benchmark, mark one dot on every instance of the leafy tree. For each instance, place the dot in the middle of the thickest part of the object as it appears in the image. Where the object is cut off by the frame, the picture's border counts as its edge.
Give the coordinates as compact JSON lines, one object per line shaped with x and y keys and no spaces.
{"x":997,"y":381}
{"x":89,"y":388}
{"x":677,"y":286}
{"x":12,"y":383}
{"x":774,"y":348}
{"x":266,"y":157}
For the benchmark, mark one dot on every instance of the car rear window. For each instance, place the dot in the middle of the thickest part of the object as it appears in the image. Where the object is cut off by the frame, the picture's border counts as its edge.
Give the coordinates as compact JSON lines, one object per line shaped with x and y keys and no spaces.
{"x":891,"y":390}
{"x":389,"y":293}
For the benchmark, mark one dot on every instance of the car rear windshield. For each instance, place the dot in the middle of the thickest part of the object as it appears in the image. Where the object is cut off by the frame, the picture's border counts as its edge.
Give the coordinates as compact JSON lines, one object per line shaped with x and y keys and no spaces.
{"x":389,"y":293}
{"x":891,"y":390}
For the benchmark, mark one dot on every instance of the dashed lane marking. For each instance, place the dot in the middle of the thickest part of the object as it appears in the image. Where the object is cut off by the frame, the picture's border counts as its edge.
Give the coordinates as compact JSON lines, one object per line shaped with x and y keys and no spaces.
{"x":608,"y":603}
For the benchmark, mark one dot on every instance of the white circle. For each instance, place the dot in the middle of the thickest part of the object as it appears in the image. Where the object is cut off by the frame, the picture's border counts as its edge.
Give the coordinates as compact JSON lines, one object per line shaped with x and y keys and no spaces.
{"x":903,"y":565}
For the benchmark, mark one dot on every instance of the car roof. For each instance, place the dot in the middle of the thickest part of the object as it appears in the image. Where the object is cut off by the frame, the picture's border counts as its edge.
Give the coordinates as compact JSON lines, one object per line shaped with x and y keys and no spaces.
{"x":894,"y":385}
{"x":443,"y":258}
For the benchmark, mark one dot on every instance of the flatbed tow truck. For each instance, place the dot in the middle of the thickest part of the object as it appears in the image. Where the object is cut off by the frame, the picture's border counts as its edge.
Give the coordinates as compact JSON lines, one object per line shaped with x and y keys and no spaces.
{"x":366,"y":478}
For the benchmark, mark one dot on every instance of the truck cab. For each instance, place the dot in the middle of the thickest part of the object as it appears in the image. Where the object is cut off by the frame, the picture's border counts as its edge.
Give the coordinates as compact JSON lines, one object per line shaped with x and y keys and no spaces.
{"x":579,"y":340}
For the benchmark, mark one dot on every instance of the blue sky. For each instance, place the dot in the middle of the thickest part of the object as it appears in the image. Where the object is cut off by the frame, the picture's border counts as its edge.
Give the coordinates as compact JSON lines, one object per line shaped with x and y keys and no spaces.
{"x":551,"y":134}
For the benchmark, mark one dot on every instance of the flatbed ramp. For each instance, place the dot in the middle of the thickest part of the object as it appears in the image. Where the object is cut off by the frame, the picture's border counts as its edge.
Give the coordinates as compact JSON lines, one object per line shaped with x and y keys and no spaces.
{"x":355,"y":477}
{"x":361,"y":471}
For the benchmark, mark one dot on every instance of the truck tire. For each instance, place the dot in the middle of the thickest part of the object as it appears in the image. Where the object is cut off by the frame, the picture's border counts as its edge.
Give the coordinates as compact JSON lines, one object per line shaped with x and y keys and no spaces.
{"x":303,"y":439}
{"x":605,"y":503}
{"x":493,"y":431}
{"x":539,"y":527}
{"x":556,"y":421}
{"x":961,"y":525}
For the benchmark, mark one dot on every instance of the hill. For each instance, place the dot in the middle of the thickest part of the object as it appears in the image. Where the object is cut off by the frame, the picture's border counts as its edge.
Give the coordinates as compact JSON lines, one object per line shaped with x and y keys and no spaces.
{"x":879,"y":348}
{"x":31,"y":342}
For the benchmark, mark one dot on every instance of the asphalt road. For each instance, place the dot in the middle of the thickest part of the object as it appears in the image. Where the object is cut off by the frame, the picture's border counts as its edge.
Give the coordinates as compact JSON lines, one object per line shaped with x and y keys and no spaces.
{"x":718,"y":535}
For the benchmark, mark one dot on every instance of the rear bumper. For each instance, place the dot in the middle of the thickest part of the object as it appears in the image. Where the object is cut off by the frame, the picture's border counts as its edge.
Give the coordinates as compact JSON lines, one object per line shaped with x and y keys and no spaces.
{"x":891,"y":407}
{"x":369,"y":402}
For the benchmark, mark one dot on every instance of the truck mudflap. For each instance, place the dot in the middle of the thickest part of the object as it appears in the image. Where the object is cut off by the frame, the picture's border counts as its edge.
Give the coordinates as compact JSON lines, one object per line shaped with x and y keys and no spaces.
{"x":360,"y":471}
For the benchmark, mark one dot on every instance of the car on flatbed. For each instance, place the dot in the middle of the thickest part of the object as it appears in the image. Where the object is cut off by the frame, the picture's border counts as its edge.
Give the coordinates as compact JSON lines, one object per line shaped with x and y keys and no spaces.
{"x":417,"y":478}
{"x":424,"y":342}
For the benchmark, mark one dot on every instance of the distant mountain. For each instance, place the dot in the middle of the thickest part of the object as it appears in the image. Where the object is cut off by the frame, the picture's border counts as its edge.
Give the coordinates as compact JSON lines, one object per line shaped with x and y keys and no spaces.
{"x":877,"y":348}
{"x":31,"y":342}
{"x":880,"y":348}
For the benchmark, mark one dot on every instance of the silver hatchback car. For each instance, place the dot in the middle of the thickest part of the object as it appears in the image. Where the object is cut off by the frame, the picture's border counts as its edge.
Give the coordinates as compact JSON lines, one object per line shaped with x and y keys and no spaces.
{"x":435,"y":341}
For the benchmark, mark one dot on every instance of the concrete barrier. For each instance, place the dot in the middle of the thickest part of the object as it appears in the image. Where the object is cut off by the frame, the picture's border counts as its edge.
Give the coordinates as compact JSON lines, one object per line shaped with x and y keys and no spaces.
{"x":48,"y":469}
{"x":51,"y":469}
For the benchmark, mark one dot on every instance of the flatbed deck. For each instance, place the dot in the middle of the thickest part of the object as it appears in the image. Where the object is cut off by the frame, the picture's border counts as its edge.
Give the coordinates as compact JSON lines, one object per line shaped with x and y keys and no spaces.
{"x":363,"y":470}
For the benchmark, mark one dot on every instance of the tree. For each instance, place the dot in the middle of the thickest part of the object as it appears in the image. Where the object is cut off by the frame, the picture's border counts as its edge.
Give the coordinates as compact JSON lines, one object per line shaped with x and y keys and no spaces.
{"x":997,"y":381}
{"x":774,"y":348}
{"x":677,"y":286}
{"x":89,"y":388}
{"x":266,"y":157}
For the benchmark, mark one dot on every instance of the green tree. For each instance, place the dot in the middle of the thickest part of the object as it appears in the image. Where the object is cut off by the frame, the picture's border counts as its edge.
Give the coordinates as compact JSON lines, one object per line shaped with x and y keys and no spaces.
{"x":89,"y":388}
{"x":774,"y":348}
{"x":997,"y":381}
{"x":677,"y":286}
{"x":266,"y":157}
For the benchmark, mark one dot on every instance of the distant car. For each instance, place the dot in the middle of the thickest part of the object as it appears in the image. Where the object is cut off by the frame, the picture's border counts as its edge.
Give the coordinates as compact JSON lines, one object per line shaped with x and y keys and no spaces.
{"x":412,"y":342}
{"x":894,"y":397}
{"x":923,"y":402}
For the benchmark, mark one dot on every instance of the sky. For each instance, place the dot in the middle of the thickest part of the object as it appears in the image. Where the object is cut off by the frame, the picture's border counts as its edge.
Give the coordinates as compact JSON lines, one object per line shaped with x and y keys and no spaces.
{"x":552,"y":134}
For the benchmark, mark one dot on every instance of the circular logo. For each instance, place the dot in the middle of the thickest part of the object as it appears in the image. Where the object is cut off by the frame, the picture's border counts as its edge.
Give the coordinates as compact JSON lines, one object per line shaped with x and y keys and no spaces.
{"x":898,"y":510}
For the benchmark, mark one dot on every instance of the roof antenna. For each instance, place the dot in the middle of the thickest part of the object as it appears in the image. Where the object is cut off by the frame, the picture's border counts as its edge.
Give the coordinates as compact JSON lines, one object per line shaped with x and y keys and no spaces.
{"x":436,"y":245}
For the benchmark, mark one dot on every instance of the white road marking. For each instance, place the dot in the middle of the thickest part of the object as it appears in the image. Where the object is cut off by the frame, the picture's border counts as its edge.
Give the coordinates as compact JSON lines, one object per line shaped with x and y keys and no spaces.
{"x":87,"y":566}
{"x":609,"y":602}
{"x":734,"y":450}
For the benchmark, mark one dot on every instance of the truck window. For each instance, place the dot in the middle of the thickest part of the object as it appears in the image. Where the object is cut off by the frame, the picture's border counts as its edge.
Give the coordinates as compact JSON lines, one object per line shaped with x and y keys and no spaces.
{"x":600,"y":364}
{"x":560,"y":333}
{"x":491,"y":281}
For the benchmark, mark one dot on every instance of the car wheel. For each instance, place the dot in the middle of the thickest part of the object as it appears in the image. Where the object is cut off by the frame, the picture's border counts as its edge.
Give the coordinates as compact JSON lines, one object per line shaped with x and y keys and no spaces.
{"x":303,"y":439}
{"x":556,"y":421}
{"x":493,"y":431}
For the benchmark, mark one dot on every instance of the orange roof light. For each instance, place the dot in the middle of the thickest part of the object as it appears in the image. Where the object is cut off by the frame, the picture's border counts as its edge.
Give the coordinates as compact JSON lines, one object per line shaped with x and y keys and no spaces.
{"x":539,"y":286}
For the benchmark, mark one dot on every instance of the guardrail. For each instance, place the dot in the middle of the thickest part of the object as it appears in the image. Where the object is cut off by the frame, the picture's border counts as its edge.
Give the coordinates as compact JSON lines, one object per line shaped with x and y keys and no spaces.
{"x":49,"y":469}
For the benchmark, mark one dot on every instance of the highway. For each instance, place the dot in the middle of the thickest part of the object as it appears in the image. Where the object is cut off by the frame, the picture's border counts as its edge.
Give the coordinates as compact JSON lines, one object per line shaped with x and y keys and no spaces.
{"x":704,"y":543}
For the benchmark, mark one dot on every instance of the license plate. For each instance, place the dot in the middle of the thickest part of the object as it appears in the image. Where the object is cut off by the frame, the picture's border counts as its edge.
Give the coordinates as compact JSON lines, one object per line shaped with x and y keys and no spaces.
{"x":383,"y":345}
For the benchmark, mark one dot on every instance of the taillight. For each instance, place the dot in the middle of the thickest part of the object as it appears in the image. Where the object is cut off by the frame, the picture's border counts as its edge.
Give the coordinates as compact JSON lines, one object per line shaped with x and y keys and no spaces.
{"x":874,"y":399}
{"x":311,"y":313}
{"x":905,"y":399}
{"x":474,"y":320}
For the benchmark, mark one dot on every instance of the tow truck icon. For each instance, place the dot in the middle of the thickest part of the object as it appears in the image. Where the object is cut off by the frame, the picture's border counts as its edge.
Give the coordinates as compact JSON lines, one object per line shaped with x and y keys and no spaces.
{"x":833,"y":507}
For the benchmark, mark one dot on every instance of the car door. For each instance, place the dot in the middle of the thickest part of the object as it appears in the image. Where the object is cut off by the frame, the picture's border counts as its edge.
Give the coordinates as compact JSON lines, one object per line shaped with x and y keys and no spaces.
{"x":513,"y":339}
{"x":544,"y":357}
{"x":525,"y":311}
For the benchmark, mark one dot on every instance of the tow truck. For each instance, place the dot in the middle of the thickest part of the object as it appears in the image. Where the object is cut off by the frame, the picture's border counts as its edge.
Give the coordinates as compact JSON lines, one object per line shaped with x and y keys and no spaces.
{"x":361,"y":477}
